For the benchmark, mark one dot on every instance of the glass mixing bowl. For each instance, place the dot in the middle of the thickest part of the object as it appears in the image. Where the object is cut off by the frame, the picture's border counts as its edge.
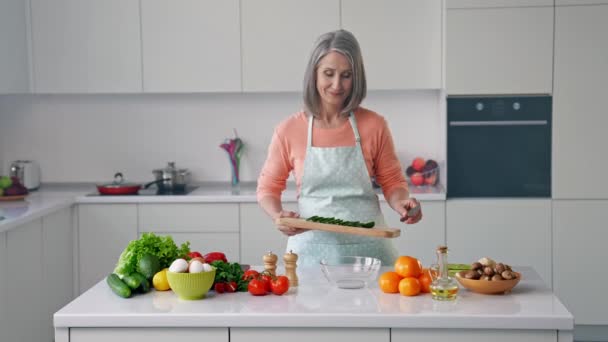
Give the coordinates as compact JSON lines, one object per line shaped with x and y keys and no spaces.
{"x":350,"y":272}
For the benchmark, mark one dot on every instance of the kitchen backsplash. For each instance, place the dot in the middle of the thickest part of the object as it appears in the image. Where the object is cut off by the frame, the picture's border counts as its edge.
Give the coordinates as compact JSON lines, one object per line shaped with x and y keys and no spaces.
{"x":86,"y":138}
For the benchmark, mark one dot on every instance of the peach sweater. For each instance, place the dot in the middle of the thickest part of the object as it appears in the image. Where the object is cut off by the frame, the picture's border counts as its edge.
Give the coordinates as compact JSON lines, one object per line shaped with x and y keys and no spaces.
{"x":287,"y":151}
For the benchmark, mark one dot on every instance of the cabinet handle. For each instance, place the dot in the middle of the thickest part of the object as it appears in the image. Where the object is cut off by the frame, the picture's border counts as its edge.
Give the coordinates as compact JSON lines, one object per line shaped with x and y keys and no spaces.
{"x":500,"y":123}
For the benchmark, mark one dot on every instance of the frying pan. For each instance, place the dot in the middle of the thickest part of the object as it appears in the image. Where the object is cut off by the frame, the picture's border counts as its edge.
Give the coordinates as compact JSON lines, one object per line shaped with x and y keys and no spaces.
{"x":119,"y":187}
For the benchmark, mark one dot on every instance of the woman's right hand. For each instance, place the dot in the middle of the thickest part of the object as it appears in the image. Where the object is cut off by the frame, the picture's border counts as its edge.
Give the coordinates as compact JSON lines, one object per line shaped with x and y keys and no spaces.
{"x":289,"y":231}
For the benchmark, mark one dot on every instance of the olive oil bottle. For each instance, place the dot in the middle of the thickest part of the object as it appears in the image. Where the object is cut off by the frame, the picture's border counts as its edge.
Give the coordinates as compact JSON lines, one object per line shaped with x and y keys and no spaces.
{"x":443,"y":286}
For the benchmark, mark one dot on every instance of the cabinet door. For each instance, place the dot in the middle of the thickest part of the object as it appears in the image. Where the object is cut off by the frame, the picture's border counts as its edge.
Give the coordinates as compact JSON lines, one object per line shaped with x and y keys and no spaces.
{"x":421,"y":239}
{"x":191,"y":45}
{"x":472,"y":335}
{"x":149,"y":334}
{"x":277,"y":39}
{"x":579,"y":109}
{"x":515,"y":232}
{"x":401,"y":41}
{"x":104,"y":230}
{"x":25,"y":289}
{"x":260,"y":235}
{"x":579,"y":244}
{"x":57,"y":261}
{"x":14,"y":56}
{"x":189,"y":217}
{"x":499,"y":50}
{"x":309,"y":334}
{"x":86,"y":46}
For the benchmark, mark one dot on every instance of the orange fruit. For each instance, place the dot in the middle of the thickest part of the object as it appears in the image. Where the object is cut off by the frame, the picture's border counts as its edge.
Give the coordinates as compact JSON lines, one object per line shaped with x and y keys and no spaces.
{"x":409,"y":286}
{"x":389,"y":282}
{"x":407,"y":266}
{"x":425,"y":280}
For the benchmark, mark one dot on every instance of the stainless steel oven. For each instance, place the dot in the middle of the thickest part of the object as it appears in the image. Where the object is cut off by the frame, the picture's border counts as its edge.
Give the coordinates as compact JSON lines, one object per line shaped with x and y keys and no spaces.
{"x":499,"y":146}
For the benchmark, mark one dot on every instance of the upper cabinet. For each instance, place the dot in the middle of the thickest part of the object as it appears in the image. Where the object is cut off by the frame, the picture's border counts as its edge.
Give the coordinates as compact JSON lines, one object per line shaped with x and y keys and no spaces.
{"x":89,"y":46}
{"x":191,"y":46}
{"x":579,"y":112}
{"x":14,"y":56}
{"x":499,"y":50}
{"x":401,"y":41}
{"x":277,"y":39}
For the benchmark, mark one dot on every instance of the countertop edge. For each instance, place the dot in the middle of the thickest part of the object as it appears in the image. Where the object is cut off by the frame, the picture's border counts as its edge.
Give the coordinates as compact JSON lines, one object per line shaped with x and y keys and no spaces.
{"x":317,"y":321}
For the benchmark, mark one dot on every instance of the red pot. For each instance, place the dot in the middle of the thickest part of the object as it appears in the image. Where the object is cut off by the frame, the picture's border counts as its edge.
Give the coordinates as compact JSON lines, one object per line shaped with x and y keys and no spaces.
{"x":119,"y":187}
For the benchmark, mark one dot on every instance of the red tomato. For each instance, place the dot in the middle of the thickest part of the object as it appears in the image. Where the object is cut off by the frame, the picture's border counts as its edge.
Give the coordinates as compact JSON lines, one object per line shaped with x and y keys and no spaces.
{"x":250,"y":274}
{"x":219,"y":287}
{"x":267,"y":279}
{"x":193,"y":255}
{"x":257,"y":287}
{"x":231,"y":286}
{"x":280,"y":285}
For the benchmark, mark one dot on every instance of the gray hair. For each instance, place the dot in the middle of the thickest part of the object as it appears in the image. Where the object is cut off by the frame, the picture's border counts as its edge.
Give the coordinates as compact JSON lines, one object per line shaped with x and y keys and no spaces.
{"x":344,"y":42}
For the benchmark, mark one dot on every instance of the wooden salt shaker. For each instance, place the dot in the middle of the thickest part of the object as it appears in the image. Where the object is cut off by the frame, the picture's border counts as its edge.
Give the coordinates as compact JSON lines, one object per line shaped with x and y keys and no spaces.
{"x":270,"y":263}
{"x":290,"y":260}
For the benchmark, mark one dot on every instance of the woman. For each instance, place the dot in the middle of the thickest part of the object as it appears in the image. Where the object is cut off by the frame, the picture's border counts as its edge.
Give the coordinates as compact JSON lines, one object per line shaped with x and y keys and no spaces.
{"x":333,"y":148}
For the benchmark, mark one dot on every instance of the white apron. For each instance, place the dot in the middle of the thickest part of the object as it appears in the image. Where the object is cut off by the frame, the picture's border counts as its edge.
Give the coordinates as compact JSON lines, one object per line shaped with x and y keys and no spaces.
{"x":335,"y":183}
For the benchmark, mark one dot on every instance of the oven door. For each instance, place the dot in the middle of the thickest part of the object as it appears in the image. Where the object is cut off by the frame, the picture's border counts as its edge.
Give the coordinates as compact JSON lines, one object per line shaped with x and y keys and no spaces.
{"x":500,"y":154}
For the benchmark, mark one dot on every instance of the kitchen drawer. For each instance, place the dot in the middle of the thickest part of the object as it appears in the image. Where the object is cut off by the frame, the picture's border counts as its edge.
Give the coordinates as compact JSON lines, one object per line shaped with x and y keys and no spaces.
{"x":148,"y":334}
{"x":189,"y":217}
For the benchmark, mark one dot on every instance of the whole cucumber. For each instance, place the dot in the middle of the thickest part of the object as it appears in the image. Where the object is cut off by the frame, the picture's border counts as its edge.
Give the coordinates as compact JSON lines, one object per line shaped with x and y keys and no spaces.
{"x":144,"y":284}
{"x":132,"y":280}
{"x":118,"y":286}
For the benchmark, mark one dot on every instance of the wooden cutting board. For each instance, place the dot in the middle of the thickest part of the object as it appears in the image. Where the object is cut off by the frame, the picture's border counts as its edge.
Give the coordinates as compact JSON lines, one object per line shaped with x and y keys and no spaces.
{"x":373,"y":232}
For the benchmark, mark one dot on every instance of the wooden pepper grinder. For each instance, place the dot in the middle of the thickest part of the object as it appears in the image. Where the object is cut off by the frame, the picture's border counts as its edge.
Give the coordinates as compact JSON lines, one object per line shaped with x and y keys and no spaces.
{"x":290,"y":260}
{"x":270,"y":263}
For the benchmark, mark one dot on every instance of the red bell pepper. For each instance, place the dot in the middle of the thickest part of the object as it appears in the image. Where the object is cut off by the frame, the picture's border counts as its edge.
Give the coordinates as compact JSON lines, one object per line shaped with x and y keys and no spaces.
{"x":213,"y":256}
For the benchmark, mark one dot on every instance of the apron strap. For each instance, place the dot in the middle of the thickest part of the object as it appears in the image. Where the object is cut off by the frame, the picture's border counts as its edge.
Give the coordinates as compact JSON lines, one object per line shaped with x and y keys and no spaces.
{"x":353,"y":124}
{"x":309,"y":139}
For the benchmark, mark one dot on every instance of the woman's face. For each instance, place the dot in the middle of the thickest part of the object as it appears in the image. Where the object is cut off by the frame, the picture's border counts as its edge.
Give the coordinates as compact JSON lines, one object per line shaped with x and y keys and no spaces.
{"x":334,"y":80}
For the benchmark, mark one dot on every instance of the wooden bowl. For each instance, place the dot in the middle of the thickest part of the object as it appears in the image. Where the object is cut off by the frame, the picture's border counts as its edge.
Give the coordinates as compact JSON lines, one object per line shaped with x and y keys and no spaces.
{"x":488,"y":286}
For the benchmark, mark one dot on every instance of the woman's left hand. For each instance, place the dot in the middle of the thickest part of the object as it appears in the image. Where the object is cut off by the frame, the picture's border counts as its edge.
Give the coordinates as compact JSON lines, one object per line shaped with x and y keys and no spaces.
{"x":412,"y":212}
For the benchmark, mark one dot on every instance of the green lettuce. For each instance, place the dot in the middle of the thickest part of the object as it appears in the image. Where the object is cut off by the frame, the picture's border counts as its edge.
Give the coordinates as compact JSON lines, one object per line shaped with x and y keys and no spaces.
{"x":162,"y":247}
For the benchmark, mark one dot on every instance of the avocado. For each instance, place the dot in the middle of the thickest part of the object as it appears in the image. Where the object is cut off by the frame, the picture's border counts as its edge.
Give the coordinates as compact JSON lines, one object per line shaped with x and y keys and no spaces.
{"x":148,"y":265}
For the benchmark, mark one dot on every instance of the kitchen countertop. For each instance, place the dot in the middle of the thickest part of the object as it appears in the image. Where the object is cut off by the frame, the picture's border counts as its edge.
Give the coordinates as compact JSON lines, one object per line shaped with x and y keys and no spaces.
{"x":531,"y":305}
{"x":56,"y":196}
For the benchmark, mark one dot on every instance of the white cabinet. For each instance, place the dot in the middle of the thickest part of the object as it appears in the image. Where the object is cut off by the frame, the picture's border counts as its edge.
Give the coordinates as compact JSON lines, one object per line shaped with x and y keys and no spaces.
{"x":579,"y":111}
{"x":104,"y":230}
{"x":421,"y":239}
{"x":401,"y":41}
{"x":472,"y":335}
{"x":277,"y":39}
{"x":260,"y":235}
{"x":57,"y":261}
{"x":191,"y":45}
{"x":513,"y":231}
{"x":14,"y":55}
{"x":499,"y":50}
{"x":25,"y":293}
{"x":86,"y":46}
{"x":148,"y":334}
{"x":209,"y":227}
{"x":36,"y":263}
{"x":579,"y":248}
{"x":309,"y":334}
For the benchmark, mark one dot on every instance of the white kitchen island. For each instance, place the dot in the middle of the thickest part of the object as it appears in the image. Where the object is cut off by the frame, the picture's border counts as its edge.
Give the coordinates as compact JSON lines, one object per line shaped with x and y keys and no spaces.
{"x":316,"y":311}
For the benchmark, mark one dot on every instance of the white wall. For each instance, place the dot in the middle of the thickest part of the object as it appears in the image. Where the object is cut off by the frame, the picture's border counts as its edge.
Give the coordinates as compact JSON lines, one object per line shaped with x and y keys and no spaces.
{"x":86,"y":138}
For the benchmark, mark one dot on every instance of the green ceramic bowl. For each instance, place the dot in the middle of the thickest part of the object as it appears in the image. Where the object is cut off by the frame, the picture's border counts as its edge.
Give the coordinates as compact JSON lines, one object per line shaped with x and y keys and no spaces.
{"x":191,"y":286}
